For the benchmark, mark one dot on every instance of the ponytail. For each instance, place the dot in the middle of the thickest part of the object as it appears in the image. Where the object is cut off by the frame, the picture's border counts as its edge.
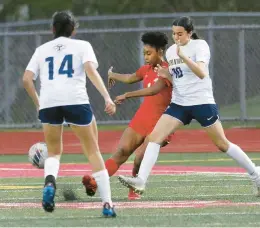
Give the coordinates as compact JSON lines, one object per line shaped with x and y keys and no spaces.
{"x":195,"y":36}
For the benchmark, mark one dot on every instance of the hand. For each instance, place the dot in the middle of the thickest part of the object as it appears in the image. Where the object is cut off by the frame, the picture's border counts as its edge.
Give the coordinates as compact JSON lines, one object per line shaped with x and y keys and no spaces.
{"x":163,"y":72}
{"x":111,"y":81}
{"x":119,"y":99}
{"x":110,"y":107}
{"x":178,"y":50}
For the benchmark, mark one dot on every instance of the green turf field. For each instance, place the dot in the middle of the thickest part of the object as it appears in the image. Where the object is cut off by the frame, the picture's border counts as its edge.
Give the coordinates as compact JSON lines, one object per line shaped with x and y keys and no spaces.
{"x":183,"y":190}
{"x":188,"y":159}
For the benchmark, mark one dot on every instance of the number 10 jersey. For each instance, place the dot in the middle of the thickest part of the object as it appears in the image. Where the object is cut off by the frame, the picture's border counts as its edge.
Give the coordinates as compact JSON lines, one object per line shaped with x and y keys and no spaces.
{"x":189,"y":89}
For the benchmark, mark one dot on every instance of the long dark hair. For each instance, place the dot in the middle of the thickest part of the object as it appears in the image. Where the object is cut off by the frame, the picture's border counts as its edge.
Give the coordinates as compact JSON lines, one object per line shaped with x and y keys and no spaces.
{"x":188,"y":25}
{"x":63,"y":23}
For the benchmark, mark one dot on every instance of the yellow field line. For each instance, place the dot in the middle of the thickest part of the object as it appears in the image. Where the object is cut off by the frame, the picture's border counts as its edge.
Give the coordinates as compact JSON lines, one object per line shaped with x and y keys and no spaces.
{"x":187,"y":160}
{"x":16,"y":187}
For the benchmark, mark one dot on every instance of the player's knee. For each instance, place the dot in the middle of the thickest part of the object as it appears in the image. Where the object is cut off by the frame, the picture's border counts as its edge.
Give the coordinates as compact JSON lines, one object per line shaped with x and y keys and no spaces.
{"x":222,"y":144}
{"x":154,"y":137}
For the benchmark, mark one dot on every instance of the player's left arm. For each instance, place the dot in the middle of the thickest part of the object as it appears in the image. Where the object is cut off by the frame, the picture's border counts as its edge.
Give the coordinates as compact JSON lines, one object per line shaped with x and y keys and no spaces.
{"x":198,"y":67}
{"x":150,"y":91}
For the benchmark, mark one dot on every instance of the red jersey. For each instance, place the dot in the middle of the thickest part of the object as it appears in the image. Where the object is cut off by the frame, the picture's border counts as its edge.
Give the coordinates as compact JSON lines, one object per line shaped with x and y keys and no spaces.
{"x":160,"y":101}
{"x":154,"y":106}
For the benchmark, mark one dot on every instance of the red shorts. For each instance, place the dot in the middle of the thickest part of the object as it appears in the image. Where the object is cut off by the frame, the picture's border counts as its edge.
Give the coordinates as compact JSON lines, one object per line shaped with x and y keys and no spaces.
{"x":144,"y":124}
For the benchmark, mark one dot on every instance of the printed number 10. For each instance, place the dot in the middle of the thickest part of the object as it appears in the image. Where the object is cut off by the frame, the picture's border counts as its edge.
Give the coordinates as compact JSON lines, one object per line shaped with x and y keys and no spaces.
{"x":177,"y":72}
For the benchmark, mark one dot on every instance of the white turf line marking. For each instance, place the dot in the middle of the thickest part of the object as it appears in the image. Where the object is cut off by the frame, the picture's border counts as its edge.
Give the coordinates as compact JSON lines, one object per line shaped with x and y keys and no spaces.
{"x":176,"y":174}
{"x":116,"y":182}
{"x":128,"y":216}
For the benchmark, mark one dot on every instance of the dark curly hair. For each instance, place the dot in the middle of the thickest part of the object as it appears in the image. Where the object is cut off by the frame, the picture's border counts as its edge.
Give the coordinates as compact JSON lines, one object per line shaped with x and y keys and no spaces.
{"x":63,"y":23}
{"x":157,"y":40}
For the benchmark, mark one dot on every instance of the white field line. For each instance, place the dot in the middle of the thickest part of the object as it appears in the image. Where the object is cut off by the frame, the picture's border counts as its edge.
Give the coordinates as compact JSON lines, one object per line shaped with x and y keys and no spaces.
{"x":3,"y":218}
{"x":116,"y":182}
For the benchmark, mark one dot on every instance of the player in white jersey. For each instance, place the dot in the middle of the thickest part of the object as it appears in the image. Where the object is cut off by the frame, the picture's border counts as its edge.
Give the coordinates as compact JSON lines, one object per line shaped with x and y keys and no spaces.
{"x":62,"y":65}
{"x":192,"y":98}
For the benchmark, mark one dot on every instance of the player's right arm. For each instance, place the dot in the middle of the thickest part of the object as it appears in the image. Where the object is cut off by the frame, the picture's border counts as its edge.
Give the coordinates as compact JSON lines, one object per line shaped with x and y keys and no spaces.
{"x":90,"y":63}
{"x":125,"y":78}
{"x":31,"y":74}
{"x":97,"y":81}
{"x":150,"y":91}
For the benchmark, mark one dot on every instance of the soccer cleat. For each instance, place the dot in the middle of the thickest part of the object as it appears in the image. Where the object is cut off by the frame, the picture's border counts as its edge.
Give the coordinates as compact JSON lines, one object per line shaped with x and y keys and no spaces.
{"x":255,"y":177}
{"x":90,"y":185}
{"x":133,"y":195}
{"x":108,"y":211}
{"x":135,"y":183}
{"x":48,"y":198}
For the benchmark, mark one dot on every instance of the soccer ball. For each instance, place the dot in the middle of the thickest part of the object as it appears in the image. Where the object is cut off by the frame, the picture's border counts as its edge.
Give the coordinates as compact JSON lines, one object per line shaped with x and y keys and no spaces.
{"x":38,"y":153}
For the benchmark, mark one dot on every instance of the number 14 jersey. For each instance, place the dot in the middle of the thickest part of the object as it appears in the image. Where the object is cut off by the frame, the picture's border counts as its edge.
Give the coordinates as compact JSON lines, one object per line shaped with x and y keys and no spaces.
{"x":189,"y":89}
{"x":60,"y":66}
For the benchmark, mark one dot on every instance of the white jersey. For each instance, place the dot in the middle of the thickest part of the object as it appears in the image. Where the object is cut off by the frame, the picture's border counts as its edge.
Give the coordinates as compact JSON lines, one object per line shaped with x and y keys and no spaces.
{"x":60,"y":65}
{"x":189,"y":89}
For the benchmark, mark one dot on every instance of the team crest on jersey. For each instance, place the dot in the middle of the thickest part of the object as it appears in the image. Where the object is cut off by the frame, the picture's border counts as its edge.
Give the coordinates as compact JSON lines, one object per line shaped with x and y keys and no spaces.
{"x":59,"y":47}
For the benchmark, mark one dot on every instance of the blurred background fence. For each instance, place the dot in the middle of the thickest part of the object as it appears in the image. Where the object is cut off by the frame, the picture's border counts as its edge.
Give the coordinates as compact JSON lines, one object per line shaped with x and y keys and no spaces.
{"x":232,"y":37}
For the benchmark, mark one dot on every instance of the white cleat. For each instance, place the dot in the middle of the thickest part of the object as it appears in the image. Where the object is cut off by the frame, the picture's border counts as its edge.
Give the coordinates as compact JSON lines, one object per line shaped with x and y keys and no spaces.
{"x":255,"y":177}
{"x":135,"y":183}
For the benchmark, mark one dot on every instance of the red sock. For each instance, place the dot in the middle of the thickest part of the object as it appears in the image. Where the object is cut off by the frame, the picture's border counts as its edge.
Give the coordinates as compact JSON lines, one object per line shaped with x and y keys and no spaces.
{"x":111,"y":166}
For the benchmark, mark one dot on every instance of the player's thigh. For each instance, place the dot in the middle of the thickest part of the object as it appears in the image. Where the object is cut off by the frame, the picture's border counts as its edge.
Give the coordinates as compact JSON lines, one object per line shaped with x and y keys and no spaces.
{"x":128,"y":143}
{"x":52,"y":120}
{"x":53,"y":138}
{"x":87,"y":136}
{"x":166,"y":125}
{"x":83,"y":124}
{"x":217,"y":135}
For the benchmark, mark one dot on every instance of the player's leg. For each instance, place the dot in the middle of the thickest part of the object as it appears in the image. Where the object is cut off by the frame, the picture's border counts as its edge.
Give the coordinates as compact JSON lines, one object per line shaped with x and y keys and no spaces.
{"x":140,"y":154}
{"x":129,"y":142}
{"x":52,"y":120}
{"x":165,"y":126}
{"x":209,"y":120}
{"x":81,"y":122}
{"x":174,"y":117}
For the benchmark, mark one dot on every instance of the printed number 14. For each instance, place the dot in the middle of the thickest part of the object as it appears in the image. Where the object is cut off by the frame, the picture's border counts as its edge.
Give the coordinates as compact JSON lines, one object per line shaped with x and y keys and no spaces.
{"x":65,"y":68}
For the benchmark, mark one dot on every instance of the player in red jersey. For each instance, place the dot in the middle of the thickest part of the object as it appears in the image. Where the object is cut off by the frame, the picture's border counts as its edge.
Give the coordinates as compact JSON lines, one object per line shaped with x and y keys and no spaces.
{"x":157,"y":96}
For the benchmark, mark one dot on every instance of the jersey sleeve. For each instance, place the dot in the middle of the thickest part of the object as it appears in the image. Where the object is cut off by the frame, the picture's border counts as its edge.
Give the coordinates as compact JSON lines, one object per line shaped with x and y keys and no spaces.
{"x":89,"y":54}
{"x":33,"y":65}
{"x":140,"y":72}
{"x":202,"y":52}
